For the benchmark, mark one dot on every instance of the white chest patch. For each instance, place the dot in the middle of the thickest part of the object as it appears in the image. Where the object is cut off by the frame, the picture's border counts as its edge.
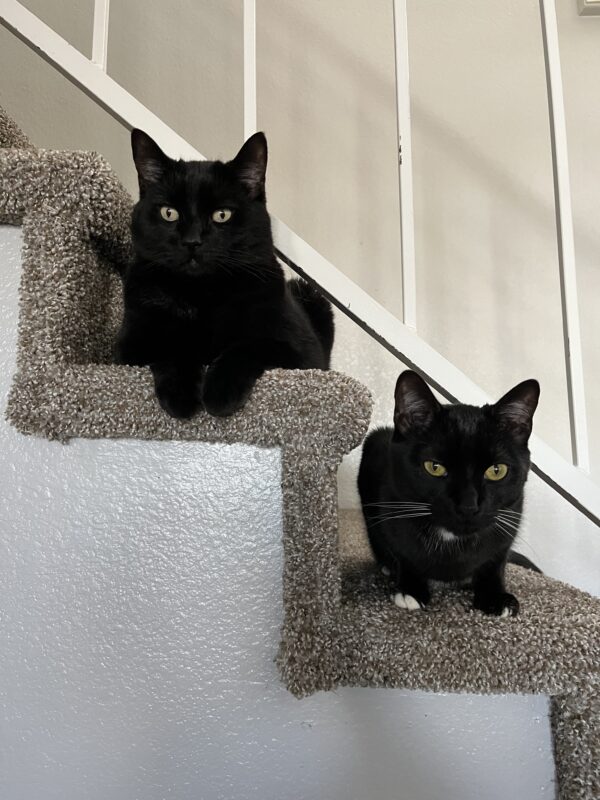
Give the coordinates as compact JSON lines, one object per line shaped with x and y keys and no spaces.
{"x":446,"y":535}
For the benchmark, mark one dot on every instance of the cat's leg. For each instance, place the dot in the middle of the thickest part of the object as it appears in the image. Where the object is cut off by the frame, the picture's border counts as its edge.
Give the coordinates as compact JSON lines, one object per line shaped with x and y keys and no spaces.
{"x":491,"y":596}
{"x":411,"y":591}
{"x":177,"y":387}
{"x":230,"y":379}
{"x":132,"y":348}
{"x":228,"y":383}
{"x":136,"y":344}
{"x":410,"y":588}
{"x":379,"y":549}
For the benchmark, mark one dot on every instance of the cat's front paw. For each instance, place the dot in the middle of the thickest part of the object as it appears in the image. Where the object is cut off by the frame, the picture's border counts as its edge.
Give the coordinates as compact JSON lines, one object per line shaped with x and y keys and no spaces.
{"x":129,"y":355}
{"x":503,"y":604}
{"x":415,"y":596}
{"x":224,"y":394}
{"x":407,"y":601}
{"x":181,"y":405}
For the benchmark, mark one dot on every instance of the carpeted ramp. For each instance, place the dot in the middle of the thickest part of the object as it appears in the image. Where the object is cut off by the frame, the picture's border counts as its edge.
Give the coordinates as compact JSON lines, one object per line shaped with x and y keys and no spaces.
{"x":340,"y":627}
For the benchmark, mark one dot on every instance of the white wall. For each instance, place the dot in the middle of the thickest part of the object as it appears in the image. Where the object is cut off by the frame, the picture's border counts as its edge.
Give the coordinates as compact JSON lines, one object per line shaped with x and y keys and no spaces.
{"x":140,"y":597}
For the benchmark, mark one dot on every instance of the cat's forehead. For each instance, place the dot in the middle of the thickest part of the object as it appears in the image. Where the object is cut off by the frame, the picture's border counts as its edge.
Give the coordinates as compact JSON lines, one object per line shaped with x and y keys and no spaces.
{"x":465,"y":430}
{"x":465,"y":421}
{"x":202,"y":182}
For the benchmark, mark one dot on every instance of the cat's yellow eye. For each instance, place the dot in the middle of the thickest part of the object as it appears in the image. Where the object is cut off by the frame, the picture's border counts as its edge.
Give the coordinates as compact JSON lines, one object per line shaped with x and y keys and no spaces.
{"x":434,"y":468}
{"x":496,"y":472}
{"x":169,"y":214}
{"x":222,"y":215}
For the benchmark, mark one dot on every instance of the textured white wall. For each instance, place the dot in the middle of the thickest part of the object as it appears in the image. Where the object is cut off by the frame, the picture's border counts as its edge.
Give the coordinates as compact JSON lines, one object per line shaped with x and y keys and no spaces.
{"x":140,"y":607}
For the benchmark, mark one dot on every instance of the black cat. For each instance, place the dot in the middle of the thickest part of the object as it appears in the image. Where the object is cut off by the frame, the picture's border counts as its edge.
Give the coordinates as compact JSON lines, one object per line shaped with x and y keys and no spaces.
{"x":206,"y":302}
{"x":442,"y":492}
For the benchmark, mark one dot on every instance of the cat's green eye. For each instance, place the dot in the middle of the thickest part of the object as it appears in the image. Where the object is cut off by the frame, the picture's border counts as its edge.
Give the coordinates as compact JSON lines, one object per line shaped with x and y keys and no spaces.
{"x":434,"y":468}
{"x":496,"y":472}
{"x":169,"y":214}
{"x":222,"y":215}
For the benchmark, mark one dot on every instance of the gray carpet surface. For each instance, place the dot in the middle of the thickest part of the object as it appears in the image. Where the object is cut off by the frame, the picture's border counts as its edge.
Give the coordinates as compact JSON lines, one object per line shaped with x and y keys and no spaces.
{"x":10,"y":133}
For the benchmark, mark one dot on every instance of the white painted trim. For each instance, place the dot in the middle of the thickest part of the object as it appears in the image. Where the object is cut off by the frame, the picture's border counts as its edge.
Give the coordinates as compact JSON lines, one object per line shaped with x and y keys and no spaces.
{"x":570,"y":481}
{"x":100,"y":33}
{"x":250,"y":109}
{"x":589,"y":8}
{"x":405,"y":177}
{"x":566,"y":240}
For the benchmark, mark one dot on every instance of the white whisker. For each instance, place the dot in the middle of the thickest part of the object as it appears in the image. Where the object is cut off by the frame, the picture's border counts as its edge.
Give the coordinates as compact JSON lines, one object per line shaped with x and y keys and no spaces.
{"x":397,"y":516}
{"x":506,"y":533}
{"x":398,"y":504}
{"x":510,"y":512}
{"x":508,"y":522}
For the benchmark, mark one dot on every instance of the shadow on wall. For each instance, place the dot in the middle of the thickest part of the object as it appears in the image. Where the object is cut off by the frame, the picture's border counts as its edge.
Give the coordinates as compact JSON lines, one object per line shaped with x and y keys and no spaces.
{"x":533,"y":286}
{"x":499,"y":229}
{"x":473,"y":158}
{"x":329,"y":113}
{"x":374,"y":104}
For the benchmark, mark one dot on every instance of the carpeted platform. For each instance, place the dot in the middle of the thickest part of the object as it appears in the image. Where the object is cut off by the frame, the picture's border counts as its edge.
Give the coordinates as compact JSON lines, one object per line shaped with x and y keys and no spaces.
{"x":340,"y":627}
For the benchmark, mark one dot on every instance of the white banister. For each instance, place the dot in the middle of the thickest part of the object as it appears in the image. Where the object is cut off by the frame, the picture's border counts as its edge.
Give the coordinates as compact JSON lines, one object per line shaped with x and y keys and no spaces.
{"x":100,"y":33}
{"x":570,"y":481}
{"x":249,"y":68}
{"x":565,"y":237}
{"x":405,"y":179}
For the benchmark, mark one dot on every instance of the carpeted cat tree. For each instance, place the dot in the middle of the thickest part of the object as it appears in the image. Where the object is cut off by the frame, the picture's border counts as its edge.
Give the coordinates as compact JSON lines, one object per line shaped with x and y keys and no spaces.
{"x":340,"y":627}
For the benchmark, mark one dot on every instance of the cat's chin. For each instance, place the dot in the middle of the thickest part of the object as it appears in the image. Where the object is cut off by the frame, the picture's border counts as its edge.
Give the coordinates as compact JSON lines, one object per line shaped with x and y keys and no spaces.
{"x":196,"y":267}
{"x":451,"y":533}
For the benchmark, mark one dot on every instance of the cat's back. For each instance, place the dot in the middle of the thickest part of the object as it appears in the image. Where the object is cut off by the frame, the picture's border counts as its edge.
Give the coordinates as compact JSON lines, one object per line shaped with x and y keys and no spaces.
{"x":374,"y":463}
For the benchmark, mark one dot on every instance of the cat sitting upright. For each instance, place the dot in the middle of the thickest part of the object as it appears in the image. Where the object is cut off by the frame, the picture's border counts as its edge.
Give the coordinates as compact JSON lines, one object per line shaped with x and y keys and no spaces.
{"x":206,"y":303}
{"x":442,"y":493}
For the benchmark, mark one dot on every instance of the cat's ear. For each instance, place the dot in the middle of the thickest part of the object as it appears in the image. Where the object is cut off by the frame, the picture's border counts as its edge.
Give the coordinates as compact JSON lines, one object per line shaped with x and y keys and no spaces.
{"x":515,"y":410}
{"x":416,"y":405}
{"x":150,"y":161}
{"x":250,"y":165}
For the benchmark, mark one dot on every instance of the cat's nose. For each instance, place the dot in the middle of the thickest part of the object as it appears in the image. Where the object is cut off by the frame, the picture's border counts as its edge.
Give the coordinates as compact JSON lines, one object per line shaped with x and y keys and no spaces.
{"x":468,"y":504}
{"x":193,"y":243}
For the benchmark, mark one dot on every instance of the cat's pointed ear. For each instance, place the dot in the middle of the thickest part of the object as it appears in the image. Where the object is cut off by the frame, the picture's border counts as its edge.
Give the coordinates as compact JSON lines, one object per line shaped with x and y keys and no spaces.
{"x":150,"y":161}
{"x":250,"y":165}
{"x":515,"y":410}
{"x":416,"y":405}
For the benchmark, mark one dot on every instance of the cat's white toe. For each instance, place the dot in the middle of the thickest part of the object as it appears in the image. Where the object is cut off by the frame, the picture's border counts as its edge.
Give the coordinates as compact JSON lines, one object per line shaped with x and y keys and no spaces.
{"x":406,"y":601}
{"x":506,"y":612}
{"x":386,"y":571}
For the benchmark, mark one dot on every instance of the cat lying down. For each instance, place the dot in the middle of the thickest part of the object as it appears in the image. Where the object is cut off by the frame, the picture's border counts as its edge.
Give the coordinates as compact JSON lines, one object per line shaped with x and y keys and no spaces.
{"x":206,"y":303}
{"x":442,"y":493}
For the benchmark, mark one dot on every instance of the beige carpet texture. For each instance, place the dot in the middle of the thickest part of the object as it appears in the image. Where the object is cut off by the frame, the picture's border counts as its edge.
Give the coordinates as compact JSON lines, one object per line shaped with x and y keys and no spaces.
{"x":340,"y":627}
